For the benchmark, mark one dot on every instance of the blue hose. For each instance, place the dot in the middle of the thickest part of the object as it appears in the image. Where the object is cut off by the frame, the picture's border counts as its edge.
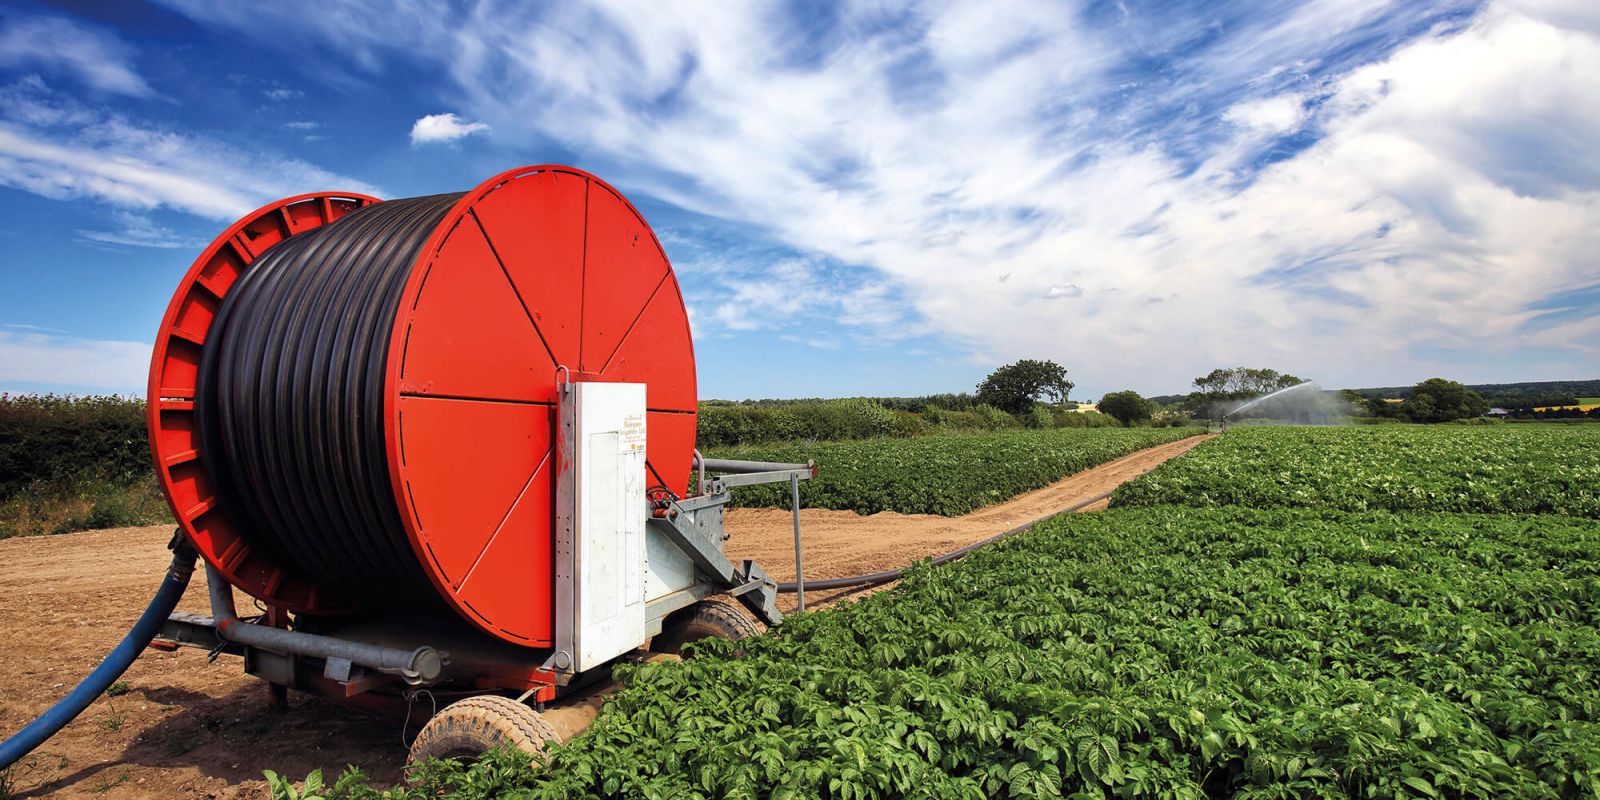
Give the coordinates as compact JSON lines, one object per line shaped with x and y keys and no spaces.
{"x":116,"y":662}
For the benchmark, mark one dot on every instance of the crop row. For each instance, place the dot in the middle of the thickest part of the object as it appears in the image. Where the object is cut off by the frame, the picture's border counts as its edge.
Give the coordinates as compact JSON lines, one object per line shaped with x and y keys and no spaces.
{"x":949,"y":475}
{"x":1545,"y":469}
{"x":1146,"y":653}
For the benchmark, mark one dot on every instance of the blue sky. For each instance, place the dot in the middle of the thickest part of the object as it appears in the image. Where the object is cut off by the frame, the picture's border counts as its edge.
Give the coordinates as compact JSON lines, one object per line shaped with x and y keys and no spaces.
{"x":865,"y":198}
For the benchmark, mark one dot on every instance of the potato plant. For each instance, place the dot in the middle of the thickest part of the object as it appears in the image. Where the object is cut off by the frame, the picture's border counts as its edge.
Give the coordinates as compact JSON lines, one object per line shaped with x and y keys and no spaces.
{"x":1499,"y":469}
{"x":1162,"y":653}
{"x":949,"y":475}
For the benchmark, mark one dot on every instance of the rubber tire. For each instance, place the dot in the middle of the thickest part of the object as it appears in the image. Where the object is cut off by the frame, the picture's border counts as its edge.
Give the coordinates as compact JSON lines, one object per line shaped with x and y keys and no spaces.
{"x":469,"y":728}
{"x":715,"y":617}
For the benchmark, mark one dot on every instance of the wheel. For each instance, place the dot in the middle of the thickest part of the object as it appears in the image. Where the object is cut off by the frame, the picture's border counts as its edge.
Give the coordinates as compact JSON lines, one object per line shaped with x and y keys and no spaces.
{"x":469,"y":728}
{"x":717,"y":617}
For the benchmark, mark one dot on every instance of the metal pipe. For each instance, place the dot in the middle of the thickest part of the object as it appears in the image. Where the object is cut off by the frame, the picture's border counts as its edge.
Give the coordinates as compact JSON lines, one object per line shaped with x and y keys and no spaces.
{"x":737,"y":467}
{"x":116,"y":662}
{"x":894,"y":574}
{"x":799,"y":562}
{"x":700,"y":464}
{"x":423,"y":665}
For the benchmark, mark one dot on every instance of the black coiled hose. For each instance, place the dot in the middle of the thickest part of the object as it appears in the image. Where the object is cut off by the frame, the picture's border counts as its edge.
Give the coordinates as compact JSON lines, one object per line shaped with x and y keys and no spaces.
{"x":290,"y":401}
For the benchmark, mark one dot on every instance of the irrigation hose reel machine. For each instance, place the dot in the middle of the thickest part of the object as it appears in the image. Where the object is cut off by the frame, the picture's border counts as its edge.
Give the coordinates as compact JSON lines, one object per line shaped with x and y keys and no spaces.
{"x":446,"y":443}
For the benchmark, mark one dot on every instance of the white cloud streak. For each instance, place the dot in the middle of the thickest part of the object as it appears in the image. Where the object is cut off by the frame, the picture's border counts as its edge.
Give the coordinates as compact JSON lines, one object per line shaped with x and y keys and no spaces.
{"x":65,"y":151}
{"x":94,"y":57}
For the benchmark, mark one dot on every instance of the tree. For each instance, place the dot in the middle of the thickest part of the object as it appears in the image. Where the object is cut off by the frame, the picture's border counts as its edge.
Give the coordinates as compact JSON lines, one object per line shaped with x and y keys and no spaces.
{"x":1127,"y":406}
{"x":1439,"y":400}
{"x":1014,"y":388}
{"x":1239,"y":383}
{"x":1220,"y":390}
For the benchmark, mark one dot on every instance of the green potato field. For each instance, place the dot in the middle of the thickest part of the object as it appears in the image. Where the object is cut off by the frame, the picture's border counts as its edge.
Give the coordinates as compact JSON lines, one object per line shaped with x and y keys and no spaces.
{"x":1275,"y":615}
{"x":1524,"y":468}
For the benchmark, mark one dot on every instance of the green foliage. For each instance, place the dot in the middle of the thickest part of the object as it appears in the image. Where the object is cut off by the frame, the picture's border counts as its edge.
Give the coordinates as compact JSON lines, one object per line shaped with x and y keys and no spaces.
{"x":1040,"y":416}
{"x":1238,"y":383}
{"x":48,"y":438}
{"x":722,"y":423}
{"x":70,"y":463}
{"x":1014,"y":388}
{"x":949,"y":474}
{"x":1146,"y":653}
{"x":993,"y":419}
{"x":1488,"y":469}
{"x":1127,"y":406}
{"x":1439,"y":400}
{"x":1510,"y":395}
{"x":352,"y":783}
{"x":1084,"y":419}
{"x":84,"y":502}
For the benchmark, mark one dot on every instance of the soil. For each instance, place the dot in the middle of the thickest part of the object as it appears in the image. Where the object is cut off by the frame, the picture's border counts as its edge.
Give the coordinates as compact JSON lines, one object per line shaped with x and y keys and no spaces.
{"x":188,"y":728}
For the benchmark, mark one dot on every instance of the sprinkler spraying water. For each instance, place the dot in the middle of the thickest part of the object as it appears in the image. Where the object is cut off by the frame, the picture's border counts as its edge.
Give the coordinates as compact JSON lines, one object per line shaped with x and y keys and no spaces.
{"x":1303,"y":403}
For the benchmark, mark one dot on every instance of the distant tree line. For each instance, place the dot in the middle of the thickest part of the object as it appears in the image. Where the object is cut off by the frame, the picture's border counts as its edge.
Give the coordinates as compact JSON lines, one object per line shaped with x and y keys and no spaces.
{"x":1508,"y":395}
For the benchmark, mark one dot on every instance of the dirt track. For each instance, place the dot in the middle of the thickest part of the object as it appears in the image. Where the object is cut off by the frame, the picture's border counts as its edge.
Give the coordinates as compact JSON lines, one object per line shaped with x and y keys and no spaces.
{"x":187,"y":728}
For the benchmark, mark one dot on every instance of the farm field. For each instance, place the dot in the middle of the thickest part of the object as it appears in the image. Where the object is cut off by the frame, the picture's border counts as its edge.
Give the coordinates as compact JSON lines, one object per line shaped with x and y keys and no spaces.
{"x":1169,"y":651}
{"x":947,"y":474}
{"x":1523,"y":468}
{"x":188,"y":728}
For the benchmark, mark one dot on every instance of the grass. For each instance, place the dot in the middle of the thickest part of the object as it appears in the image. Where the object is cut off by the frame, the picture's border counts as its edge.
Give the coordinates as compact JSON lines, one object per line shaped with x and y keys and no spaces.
{"x":83,"y":502}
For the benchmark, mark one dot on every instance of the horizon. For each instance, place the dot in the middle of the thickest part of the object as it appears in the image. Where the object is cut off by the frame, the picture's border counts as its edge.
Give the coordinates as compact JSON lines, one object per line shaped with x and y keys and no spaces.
{"x":861,"y":200}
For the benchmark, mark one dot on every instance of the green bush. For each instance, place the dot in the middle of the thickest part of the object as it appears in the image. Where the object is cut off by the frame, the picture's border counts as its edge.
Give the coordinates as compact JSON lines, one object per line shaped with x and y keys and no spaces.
{"x":48,"y":437}
{"x":907,"y":423}
{"x":1084,"y":419}
{"x":991,"y":418}
{"x":722,"y":423}
{"x":1040,"y":416}
{"x":85,"y":502}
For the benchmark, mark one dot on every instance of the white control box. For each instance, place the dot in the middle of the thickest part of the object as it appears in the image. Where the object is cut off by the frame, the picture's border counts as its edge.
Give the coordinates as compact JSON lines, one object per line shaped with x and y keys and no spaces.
{"x":607,"y":452}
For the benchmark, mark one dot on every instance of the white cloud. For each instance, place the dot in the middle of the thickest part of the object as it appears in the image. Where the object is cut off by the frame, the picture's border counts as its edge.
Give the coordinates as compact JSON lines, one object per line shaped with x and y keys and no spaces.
{"x":138,"y":230}
{"x":444,"y":128}
{"x":1268,"y":196}
{"x":65,"y":151}
{"x":96,"y":58}
{"x":95,"y":365}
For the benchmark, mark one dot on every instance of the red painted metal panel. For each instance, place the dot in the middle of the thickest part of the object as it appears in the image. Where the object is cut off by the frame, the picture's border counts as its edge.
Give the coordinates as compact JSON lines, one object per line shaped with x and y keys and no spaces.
{"x":652,"y":352}
{"x":469,"y":466}
{"x":669,"y":445}
{"x":468,"y":335}
{"x":622,"y":268}
{"x":535,"y":223}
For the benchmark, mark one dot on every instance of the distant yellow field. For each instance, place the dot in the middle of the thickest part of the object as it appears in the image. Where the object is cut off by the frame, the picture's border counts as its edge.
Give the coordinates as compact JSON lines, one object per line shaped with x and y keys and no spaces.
{"x":1586,"y":404}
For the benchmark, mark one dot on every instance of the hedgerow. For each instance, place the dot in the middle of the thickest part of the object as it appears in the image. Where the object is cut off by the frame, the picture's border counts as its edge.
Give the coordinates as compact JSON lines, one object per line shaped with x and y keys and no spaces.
{"x":70,"y":463}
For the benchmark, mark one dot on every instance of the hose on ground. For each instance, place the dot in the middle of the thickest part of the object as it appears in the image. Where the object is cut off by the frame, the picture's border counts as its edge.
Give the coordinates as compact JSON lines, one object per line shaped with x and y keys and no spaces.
{"x":895,"y":574}
{"x":116,"y":662}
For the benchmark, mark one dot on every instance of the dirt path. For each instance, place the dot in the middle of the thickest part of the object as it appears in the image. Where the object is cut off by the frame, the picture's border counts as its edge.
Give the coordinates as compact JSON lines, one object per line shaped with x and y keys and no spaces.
{"x":186,"y":728}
